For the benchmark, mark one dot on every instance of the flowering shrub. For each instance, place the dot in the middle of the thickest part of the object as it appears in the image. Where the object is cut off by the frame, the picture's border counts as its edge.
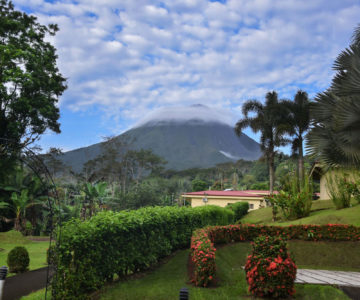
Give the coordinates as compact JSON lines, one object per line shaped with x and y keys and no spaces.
{"x":270,"y":272}
{"x":203,"y":258}
{"x":203,"y":240}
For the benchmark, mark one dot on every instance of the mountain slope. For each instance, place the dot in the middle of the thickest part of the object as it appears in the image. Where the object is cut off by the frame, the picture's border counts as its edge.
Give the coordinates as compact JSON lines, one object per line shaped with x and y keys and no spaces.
{"x":186,"y":137}
{"x":182,"y":145}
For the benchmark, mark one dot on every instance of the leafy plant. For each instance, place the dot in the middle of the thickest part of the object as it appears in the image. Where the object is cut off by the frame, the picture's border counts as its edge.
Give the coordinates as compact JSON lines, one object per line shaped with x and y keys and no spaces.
{"x":270,"y":271}
{"x":91,"y":252}
{"x":18,"y":260}
{"x":338,"y":187}
{"x":239,"y":208}
{"x":296,"y":202}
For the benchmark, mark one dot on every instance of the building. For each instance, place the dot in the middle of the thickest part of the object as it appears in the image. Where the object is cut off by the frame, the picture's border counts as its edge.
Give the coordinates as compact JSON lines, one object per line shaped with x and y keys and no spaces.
{"x":222,"y":198}
{"x":325,"y":177}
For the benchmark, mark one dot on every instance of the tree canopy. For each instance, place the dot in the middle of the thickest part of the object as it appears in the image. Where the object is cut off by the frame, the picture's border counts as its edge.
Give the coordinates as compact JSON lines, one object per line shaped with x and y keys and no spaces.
{"x":335,"y":135}
{"x":30,"y":81}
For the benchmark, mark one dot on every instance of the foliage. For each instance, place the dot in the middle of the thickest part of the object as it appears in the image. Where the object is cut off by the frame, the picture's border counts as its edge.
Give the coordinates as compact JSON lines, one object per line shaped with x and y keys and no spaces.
{"x":339,"y":189}
{"x":94,"y":195}
{"x":335,"y":135}
{"x":296,"y":202}
{"x":203,"y":258}
{"x":23,"y":200}
{"x":240,"y":209}
{"x":36,"y":249}
{"x":238,"y":233}
{"x":298,"y":122}
{"x":267,"y":121}
{"x":90,"y":253}
{"x":260,"y":186}
{"x":18,"y":260}
{"x":270,"y":272}
{"x":30,"y":82}
{"x":199,"y":185}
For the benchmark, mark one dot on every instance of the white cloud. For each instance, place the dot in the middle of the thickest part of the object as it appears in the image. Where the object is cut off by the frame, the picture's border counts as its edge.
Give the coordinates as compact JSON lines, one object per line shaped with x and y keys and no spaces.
{"x":131,"y":56}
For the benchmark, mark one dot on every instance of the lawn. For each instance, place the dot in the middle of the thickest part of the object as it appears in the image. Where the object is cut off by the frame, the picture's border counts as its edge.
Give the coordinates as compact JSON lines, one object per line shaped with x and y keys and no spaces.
{"x":36,"y":249}
{"x":166,"y":281}
{"x":322,"y":212}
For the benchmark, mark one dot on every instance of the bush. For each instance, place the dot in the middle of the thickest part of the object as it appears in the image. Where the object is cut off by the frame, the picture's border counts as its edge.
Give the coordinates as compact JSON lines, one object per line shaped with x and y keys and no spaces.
{"x":93,"y":251}
{"x":339,"y":191}
{"x":239,"y":208}
{"x":270,"y":272}
{"x":203,"y":257}
{"x":295,"y":203}
{"x":18,"y":260}
{"x":50,"y":255}
{"x":203,"y":240}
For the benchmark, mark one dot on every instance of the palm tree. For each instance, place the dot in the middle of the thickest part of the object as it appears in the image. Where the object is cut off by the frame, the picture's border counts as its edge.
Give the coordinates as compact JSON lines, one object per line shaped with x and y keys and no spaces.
{"x":94,"y":194}
{"x":267,"y":121}
{"x":19,"y":204}
{"x":298,"y":121}
{"x":335,"y":135}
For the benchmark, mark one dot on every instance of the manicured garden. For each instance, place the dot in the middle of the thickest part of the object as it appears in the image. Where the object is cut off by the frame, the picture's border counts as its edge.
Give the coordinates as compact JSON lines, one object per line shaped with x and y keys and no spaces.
{"x":36,"y":249}
{"x":165,"y":281}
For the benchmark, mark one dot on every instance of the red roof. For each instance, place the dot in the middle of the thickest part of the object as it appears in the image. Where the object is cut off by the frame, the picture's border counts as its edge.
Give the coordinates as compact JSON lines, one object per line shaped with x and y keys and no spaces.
{"x":250,"y":193}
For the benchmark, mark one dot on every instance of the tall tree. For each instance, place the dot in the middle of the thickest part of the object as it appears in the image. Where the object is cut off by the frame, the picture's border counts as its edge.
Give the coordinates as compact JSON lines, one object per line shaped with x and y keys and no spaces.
{"x":30,"y":82}
{"x":335,"y":135}
{"x":267,"y":121}
{"x":298,"y":121}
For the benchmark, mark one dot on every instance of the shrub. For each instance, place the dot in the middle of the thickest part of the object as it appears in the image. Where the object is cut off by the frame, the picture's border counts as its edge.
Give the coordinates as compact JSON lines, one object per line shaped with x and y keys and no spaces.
{"x":339,"y":191}
{"x":270,"y":272}
{"x":203,"y":258}
{"x":203,"y":240}
{"x":50,"y":255}
{"x":294,"y":203}
{"x":93,"y":251}
{"x":18,"y":260}
{"x":239,"y":208}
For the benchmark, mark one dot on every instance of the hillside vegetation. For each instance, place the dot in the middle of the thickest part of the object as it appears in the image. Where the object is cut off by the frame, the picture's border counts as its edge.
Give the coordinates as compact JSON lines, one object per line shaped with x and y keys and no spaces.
{"x":322,"y":212}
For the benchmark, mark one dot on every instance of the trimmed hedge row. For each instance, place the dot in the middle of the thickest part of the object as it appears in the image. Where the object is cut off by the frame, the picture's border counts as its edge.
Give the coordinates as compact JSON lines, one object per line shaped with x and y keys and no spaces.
{"x":248,"y":232}
{"x":92,"y":252}
{"x":239,"y":208}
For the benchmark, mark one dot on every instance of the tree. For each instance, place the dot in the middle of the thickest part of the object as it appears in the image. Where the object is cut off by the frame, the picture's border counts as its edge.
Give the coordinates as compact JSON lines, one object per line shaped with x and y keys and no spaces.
{"x":30,"y":82}
{"x":94,"y":195}
{"x":21,"y":197}
{"x":267,"y":121}
{"x":334,"y":138}
{"x":198,"y":185}
{"x":298,"y":121}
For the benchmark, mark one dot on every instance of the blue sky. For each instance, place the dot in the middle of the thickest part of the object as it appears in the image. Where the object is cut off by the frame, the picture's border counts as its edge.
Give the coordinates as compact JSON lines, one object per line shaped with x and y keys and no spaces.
{"x":125,"y":59}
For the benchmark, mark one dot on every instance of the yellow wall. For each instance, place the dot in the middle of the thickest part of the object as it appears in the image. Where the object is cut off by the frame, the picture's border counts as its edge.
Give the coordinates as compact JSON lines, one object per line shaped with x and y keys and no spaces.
{"x":223,"y":201}
{"x":334,"y":175}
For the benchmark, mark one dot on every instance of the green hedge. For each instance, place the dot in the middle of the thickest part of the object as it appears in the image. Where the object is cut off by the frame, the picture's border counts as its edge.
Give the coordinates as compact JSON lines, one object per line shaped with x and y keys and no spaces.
{"x":239,"y":208}
{"x":91,"y":252}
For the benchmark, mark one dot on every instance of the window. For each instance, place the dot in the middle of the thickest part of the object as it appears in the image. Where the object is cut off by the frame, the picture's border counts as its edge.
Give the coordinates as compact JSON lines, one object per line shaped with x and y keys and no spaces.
{"x":251,"y":206}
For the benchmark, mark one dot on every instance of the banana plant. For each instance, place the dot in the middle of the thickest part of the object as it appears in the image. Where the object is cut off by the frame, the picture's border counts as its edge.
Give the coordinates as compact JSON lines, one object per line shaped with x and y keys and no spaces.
{"x":18,"y":205}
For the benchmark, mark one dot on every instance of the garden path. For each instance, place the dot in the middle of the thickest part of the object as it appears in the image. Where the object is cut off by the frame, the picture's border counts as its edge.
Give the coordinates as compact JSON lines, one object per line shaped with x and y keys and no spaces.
{"x":339,"y":278}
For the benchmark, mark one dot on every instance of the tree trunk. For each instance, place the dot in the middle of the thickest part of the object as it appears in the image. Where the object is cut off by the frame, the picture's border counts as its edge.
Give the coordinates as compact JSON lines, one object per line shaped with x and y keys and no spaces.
{"x":271,"y":171}
{"x":301,"y":161}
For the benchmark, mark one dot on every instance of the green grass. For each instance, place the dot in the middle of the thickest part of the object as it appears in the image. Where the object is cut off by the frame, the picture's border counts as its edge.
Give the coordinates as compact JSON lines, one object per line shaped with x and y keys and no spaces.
{"x":166,"y":281}
{"x":322,"y":212}
{"x":37,"y":250}
{"x":38,"y":295}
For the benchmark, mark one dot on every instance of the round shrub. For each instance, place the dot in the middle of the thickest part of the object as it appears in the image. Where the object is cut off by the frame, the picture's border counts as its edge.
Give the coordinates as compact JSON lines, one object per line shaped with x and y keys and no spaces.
{"x":270,"y":272}
{"x":18,"y":260}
